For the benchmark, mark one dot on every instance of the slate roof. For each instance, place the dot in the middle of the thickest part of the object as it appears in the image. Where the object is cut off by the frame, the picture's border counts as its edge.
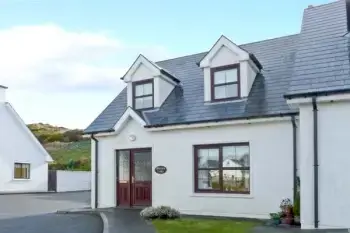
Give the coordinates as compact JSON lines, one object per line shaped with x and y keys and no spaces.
{"x":322,"y":59}
{"x":186,"y":103}
{"x":314,"y":60}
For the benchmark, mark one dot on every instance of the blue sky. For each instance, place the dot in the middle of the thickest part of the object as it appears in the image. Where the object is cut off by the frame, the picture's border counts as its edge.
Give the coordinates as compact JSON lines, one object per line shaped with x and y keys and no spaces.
{"x":62,"y":59}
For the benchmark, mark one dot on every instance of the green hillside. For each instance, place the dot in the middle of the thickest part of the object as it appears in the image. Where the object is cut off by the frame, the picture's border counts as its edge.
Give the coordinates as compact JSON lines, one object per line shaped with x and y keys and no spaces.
{"x":64,"y":152}
{"x":67,"y":147}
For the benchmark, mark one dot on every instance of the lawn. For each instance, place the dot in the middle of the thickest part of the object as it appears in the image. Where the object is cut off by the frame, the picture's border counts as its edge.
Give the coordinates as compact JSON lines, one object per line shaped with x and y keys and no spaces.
{"x":203,"y":226}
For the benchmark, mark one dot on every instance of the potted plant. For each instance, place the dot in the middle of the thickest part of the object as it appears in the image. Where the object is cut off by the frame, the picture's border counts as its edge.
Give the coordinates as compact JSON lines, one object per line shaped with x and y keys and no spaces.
{"x":287,"y":210}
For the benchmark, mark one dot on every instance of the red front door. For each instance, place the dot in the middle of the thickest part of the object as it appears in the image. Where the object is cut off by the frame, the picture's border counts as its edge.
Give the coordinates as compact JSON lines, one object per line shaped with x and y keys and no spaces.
{"x":134,"y":177}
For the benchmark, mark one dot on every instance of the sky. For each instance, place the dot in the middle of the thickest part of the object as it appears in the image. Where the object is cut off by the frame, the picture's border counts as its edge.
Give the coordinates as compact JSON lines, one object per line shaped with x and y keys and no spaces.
{"x":62,"y":59}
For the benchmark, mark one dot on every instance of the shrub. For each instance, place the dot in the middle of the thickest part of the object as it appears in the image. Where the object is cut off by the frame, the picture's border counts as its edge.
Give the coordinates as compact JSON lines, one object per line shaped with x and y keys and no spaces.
{"x":161,"y":212}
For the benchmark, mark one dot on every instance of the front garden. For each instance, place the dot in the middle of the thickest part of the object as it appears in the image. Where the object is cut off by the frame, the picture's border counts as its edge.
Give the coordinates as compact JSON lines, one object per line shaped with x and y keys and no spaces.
{"x":167,"y":219}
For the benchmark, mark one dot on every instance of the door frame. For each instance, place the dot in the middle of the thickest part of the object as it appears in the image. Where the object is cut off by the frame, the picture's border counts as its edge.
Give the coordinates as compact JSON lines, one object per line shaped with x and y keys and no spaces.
{"x":131,"y":172}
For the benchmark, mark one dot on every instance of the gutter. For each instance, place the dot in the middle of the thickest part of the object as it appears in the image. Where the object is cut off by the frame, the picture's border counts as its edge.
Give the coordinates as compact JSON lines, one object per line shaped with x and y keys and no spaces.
{"x":294,"y":158}
{"x":96,"y":170}
{"x":315,"y":130}
{"x":223,"y":119}
{"x":317,"y":93}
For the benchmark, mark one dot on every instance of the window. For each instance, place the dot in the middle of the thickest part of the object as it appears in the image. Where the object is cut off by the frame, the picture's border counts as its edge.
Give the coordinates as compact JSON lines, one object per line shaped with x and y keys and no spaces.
{"x":22,"y":171}
{"x":225,"y":83}
{"x":222,"y":168}
{"x":143,"y":94}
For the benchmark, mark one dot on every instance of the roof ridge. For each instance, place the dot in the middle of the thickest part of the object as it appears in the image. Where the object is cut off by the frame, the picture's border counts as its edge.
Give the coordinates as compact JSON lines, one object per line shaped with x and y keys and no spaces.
{"x":254,"y":42}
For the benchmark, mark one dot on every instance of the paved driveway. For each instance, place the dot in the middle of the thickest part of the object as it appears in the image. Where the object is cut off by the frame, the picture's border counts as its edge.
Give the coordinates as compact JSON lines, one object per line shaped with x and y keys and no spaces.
{"x":29,"y":213}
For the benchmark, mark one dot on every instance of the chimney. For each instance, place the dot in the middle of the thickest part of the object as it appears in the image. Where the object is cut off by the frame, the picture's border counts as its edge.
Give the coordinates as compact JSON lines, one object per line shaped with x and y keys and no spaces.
{"x":2,"y":93}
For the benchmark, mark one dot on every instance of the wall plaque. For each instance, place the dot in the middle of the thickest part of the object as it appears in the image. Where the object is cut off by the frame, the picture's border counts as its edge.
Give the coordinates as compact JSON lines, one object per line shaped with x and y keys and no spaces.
{"x":160,"y":169}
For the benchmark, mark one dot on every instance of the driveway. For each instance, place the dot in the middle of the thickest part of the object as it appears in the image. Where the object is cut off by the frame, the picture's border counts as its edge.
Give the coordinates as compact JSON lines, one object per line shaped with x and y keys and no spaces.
{"x":27,"y":213}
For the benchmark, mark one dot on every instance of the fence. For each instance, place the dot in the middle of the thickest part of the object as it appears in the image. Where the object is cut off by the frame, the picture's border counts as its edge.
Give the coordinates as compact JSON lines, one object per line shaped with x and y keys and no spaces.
{"x":67,"y":181}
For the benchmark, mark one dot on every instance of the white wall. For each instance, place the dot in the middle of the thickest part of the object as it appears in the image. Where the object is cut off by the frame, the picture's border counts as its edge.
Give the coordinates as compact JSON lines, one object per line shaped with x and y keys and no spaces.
{"x":2,"y":94}
{"x":73,"y":181}
{"x":271,"y":153}
{"x":224,"y":56}
{"x":162,"y":90}
{"x":142,"y":73}
{"x":334,"y":161}
{"x":17,"y":146}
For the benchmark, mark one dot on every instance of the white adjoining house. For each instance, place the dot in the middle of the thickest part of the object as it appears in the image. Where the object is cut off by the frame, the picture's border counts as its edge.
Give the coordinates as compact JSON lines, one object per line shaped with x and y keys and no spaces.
{"x":278,"y":108}
{"x":23,"y":161}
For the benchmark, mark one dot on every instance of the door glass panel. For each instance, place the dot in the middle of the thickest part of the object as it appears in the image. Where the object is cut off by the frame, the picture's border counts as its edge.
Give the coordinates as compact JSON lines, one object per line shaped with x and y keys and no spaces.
{"x":143,"y":166}
{"x":124,"y":166}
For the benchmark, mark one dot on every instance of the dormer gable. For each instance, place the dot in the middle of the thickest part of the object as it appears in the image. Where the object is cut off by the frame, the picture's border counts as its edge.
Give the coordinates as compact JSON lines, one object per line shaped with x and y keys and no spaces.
{"x":148,"y":85}
{"x":229,"y":71}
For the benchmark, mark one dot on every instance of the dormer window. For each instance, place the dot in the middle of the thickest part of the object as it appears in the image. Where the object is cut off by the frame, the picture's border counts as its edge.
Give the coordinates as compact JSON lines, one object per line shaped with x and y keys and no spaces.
{"x":143,"y":94}
{"x":225,"y":83}
{"x":229,"y":71}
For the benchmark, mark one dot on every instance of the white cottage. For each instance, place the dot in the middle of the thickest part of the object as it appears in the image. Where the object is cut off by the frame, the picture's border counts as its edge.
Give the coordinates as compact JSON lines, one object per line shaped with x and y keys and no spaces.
{"x":23,"y":161}
{"x":279,"y":109}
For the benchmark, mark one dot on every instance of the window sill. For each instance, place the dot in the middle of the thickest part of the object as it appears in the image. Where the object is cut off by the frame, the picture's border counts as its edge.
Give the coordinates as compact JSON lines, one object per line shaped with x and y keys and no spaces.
{"x":223,"y":195}
{"x":225,"y":101}
{"x":20,"y":179}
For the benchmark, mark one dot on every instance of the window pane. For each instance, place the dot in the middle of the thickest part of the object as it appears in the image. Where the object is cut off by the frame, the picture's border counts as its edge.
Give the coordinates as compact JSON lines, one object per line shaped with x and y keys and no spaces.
{"x":220,"y":92}
{"x":231,"y":90}
{"x":21,"y":171}
{"x":231,"y":75}
{"x":236,"y":180}
{"x":147,"y":89}
{"x":235,"y":156}
{"x":208,"y":179}
{"x":147,"y":102}
{"x":139,"y":90}
{"x":18,"y":173}
{"x":124,"y":165}
{"x":208,"y":158}
{"x":242,"y":155}
{"x":138,"y":103}
{"x":219,"y":77}
{"x":229,"y":157}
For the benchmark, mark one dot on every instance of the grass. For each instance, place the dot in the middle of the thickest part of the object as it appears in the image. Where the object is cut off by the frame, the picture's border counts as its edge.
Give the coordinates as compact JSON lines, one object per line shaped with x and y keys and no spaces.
{"x":73,"y":150}
{"x":203,"y":226}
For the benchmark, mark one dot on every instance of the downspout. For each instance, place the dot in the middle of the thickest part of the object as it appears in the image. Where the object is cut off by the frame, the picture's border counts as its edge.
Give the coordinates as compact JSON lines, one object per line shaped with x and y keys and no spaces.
{"x":294,"y":158}
{"x":315,"y":126}
{"x":96,"y":170}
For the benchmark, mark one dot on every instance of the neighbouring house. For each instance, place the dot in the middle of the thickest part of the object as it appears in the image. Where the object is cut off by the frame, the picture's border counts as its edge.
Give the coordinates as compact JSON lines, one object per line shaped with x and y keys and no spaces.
{"x":23,"y":160}
{"x":278,"y":109}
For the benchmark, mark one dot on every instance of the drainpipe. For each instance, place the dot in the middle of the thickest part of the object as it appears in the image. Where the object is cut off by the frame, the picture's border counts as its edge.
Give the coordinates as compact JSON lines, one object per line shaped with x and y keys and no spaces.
{"x":294,"y":158}
{"x":315,"y":126}
{"x":96,"y":170}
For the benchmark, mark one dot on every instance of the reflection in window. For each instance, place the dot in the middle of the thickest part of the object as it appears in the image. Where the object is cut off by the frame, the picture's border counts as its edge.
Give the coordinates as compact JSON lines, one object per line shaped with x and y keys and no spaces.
{"x":223,"y":168}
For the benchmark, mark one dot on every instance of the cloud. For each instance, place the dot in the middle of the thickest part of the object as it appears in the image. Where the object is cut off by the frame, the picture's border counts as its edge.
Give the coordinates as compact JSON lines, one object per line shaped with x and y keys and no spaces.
{"x":47,"y":57}
{"x":65,"y":77}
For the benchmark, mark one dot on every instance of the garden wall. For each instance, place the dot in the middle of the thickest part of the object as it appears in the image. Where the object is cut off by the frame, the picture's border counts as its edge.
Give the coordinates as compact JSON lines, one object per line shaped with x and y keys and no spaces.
{"x":73,"y":181}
